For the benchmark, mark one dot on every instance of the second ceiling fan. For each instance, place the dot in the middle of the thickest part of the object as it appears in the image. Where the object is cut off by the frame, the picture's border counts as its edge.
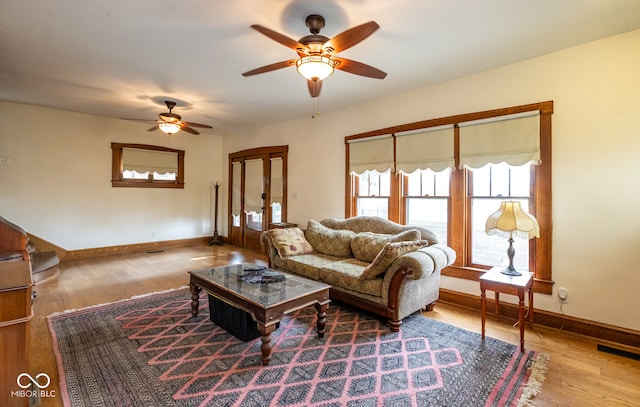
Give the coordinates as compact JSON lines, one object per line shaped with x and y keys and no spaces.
{"x":317,"y":54}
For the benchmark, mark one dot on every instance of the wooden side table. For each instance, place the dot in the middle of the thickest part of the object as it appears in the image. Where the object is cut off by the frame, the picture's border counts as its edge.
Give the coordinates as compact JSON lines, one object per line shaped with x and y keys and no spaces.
{"x":495,"y":281}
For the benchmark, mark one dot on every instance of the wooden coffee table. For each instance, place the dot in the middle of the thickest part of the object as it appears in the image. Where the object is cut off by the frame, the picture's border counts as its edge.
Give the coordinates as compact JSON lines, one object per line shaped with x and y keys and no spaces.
{"x":267,"y":303}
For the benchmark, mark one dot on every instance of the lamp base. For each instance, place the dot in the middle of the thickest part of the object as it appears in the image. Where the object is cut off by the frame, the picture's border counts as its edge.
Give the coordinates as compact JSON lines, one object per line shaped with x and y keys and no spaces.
{"x":511,"y":271}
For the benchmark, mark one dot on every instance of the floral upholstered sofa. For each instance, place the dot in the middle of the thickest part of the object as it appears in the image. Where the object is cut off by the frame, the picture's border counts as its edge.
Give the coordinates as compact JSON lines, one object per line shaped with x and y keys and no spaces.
{"x":377,"y":265}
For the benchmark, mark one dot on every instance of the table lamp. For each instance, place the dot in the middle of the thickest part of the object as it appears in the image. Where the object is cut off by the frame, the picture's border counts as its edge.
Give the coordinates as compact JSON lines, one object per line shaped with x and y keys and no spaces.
{"x":512,"y":220}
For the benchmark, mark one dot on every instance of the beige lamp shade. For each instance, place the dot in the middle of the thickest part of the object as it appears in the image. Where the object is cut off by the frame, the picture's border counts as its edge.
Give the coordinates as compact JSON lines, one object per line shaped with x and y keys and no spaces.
{"x":512,"y":220}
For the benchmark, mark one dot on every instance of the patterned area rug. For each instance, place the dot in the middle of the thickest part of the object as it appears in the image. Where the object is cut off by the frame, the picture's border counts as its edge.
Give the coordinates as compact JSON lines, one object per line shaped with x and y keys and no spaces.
{"x":148,"y":351}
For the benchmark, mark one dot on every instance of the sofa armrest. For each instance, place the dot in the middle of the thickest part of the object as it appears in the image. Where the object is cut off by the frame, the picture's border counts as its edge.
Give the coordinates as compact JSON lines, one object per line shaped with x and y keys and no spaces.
{"x":422,"y":262}
{"x":270,"y":249}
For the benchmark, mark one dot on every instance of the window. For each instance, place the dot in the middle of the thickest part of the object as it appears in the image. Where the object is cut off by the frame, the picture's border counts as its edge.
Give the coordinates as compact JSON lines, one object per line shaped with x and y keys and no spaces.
{"x":372,"y":194}
{"x":426,"y":200}
{"x":146,"y":166}
{"x":488,"y":187}
{"x":455,"y":195}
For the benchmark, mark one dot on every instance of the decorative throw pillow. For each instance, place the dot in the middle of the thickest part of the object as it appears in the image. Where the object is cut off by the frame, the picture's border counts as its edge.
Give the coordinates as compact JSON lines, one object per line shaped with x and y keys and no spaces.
{"x":367,"y":245}
{"x":387,"y":255}
{"x":329,"y":241}
{"x":289,"y":242}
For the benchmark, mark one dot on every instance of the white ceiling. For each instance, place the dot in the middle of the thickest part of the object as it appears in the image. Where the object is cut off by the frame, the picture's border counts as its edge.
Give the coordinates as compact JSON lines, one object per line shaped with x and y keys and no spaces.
{"x":123,"y":58}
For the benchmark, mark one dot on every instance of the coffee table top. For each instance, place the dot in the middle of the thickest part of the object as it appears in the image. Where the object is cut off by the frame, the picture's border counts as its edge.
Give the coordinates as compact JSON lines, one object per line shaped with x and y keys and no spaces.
{"x":265,"y":294}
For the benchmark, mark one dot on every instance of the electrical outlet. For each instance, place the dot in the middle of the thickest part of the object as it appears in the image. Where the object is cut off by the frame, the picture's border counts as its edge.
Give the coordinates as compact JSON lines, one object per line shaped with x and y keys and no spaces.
{"x":562,"y":295}
{"x":5,"y":160}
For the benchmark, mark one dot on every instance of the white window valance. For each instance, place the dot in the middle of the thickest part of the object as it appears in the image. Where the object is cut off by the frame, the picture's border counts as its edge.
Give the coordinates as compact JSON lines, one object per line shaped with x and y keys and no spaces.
{"x":427,"y":149}
{"x":371,"y":154}
{"x":514,"y":139}
{"x":142,"y":161}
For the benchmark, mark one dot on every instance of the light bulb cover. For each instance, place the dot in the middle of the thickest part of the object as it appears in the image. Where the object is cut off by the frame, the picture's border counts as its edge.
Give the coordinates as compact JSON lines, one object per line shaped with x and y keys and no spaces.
{"x":169,"y":128}
{"x":315,"y":67}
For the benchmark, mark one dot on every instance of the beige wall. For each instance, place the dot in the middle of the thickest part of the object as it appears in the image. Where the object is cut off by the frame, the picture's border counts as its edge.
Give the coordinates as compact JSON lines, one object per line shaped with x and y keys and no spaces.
{"x":596,"y":145}
{"x":58,"y":184}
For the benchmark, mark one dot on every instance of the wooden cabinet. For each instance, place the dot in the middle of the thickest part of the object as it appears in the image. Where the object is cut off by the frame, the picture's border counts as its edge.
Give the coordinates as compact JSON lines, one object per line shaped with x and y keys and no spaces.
{"x":15,"y":315}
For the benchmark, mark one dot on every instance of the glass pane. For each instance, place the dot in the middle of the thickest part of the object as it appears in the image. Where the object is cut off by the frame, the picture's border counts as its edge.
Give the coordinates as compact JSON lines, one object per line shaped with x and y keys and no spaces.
{"x":385,"y":183}
{"x":277,"y":190}
{"x":236,"y":169}
{"x":521,"y":180}
{"x":373,"y":207}
{"x":363,"y":187}
{"x":492,"y":250}
{"x":500,"y":180}
{"x":135,"y":174}
{"x":482,"y":181}
{"x":253,"y":203}
{"x":413,"y":184}
{"x":442,"y":182}
{"x":276,"y":212}
{"x":167,"y":176}
{"x":431,"y":213}
{"x":428,"y":183}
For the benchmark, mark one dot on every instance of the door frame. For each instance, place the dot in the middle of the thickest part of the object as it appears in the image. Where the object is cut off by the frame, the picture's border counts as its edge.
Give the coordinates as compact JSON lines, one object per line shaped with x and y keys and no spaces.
{"x":242,"y":235}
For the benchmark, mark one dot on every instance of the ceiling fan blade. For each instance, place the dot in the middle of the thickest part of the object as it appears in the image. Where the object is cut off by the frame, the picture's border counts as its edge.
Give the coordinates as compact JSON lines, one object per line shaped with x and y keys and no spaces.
{"x":153,"y":128}
{"x":192,"y":124}
{"x":351,"y":37}
{"x":188,"y":129}
{"x":281,"y":38}
{"x":271,"y":67}
{"x":358,"y":68}
{"x":314,"y":88}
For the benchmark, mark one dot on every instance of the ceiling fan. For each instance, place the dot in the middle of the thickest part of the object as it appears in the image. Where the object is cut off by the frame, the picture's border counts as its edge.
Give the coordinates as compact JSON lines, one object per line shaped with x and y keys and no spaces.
{"x":171,"y":123}
{"x":317,"y":54}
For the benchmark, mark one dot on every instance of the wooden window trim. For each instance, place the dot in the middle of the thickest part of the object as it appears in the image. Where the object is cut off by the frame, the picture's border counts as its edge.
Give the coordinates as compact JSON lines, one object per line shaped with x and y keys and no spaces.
{"x":117,"y":180}
{"x":541,"y":261}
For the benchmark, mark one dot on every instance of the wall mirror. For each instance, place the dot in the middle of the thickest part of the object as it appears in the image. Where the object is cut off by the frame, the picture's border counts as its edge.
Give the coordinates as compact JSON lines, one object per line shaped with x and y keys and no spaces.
{"x":146,"y":166}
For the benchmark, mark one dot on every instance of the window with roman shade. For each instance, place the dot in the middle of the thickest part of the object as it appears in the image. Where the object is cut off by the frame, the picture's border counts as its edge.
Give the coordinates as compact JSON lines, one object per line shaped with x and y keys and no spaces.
{"x":430,"y":149}
{"x":513,"y":139}
{"x":149,"y":161}
{"x":372,"y":154}
{"x":497,"y":154}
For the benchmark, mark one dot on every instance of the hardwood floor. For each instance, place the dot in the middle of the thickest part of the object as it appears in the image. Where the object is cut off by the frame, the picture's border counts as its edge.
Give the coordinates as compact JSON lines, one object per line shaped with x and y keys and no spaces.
{"x":578,"y":374}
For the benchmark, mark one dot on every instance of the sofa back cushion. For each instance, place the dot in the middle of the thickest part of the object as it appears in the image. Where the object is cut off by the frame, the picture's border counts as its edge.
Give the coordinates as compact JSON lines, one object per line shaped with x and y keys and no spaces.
{"x":377,"y":224}
{"x":387,"y":255}
{"x":329,"y":241}
{"x":366,"y":245}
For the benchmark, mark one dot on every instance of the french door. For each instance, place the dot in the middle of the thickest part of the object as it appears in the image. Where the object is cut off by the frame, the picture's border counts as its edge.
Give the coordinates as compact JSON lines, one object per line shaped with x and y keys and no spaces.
{"x":258,"y":196}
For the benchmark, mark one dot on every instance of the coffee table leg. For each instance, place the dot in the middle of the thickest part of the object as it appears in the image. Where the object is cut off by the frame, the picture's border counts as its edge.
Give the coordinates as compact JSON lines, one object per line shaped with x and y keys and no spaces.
{"x":195,"y":300}
{"x":266,"y":342}
{"x":322,"y":318}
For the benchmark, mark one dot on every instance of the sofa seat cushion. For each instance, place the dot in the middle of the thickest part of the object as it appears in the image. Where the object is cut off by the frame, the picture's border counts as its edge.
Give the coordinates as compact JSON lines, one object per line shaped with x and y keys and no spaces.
{"x":388,"y":255}
{"x":366,"y":245}
{"x":345,"y":274}
{"x":289,"y":242}
{"x":307,"y":265}
{"x":329,"y":241}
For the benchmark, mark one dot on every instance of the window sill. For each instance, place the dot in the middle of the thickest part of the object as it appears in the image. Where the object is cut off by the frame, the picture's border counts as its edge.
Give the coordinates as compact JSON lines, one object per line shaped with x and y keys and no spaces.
{"x":147,"y":184}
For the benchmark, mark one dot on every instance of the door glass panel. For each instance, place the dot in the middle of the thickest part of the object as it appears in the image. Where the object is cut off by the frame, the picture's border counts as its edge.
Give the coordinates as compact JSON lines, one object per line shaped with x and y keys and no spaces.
{"x":277,"y":190}
{"x":236,"y":193}
{"x":253,"y":190}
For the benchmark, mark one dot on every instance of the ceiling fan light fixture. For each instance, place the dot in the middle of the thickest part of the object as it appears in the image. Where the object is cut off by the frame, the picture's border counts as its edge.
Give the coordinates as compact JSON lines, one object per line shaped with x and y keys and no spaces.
{"x":315,"y":67}
{"x":169,"y":128}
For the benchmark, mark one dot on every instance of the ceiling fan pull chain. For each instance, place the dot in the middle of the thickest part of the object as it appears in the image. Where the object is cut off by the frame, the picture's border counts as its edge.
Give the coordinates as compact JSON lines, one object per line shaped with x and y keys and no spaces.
{"x":315,"y":107}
